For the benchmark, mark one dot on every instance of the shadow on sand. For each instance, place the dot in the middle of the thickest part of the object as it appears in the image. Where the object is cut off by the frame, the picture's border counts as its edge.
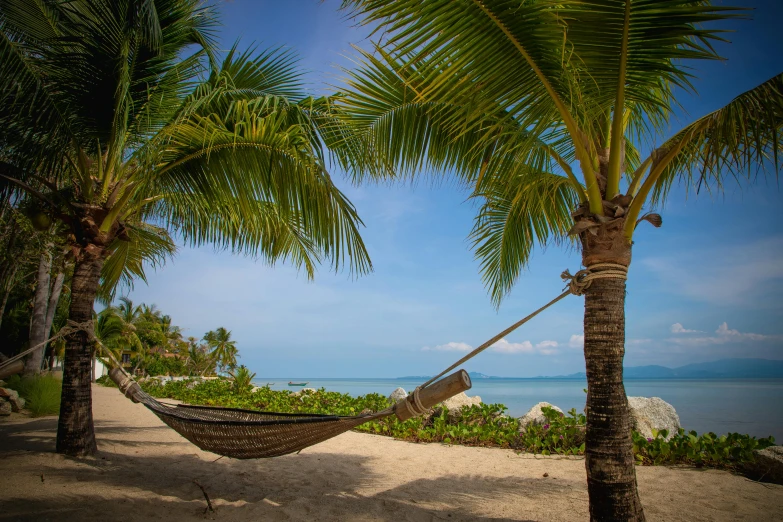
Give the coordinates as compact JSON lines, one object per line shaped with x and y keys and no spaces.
{"x":308,"y":486}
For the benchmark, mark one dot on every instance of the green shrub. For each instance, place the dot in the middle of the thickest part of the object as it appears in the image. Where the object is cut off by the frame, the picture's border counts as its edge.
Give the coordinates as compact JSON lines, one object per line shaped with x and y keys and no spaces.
{"x":728,"y":451}
{"x":40,"y":392}
{"x":561,"y":434}
{"x":243,"y":379}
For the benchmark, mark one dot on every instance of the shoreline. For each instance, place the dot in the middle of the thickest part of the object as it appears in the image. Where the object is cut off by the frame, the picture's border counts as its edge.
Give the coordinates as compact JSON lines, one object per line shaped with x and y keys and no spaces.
{"x":145,"y":470}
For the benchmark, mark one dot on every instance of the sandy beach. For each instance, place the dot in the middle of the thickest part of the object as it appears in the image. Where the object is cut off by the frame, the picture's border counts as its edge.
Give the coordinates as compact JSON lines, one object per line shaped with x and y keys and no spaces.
{"x":146,"y":471}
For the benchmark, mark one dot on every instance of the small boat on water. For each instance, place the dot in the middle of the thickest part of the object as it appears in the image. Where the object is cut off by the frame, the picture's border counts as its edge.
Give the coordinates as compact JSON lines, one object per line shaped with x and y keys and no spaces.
{"x":297,"y":383}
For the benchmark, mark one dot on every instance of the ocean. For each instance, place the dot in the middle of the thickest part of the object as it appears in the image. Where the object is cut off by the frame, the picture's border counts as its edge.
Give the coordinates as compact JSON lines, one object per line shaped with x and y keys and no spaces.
{"x":750,"y":406}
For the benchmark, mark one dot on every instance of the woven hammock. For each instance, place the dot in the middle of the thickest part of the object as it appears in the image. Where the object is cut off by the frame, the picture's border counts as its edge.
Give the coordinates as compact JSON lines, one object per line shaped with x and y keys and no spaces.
{"x":249,"y":434}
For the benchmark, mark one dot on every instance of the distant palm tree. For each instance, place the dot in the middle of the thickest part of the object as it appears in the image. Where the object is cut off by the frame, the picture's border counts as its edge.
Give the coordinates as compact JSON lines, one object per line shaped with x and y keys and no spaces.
{"x":119,"y":118}
{"x":172,"y":333}
{"x":243,"y":379}
{"x":197,"y":359}
{"x":224,"y":350}
{"x":129,"y":313}
{"x":542,"y":109}
{"x":117,"y":335}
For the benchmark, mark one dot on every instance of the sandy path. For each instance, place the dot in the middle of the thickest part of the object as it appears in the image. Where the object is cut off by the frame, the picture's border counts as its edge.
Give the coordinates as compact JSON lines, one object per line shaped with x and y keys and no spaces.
{"x":146,"y":471}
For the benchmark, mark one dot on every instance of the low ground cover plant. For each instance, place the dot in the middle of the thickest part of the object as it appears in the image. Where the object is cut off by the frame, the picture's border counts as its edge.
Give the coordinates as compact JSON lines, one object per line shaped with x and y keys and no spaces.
{"x":483,"y":425}
{"x":40,"y":392}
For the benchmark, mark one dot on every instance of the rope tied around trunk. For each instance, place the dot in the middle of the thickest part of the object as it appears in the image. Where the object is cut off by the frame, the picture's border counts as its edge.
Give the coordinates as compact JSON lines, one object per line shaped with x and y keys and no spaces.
{"x":578,"y":283}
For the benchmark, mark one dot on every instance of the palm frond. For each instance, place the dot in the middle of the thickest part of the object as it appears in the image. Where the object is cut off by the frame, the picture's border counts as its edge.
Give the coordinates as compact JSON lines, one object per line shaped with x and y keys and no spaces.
{"x":519,"y":212}
{"x":251,"y":158}
{"x":146,"y":246}
{"x":737,"y":141}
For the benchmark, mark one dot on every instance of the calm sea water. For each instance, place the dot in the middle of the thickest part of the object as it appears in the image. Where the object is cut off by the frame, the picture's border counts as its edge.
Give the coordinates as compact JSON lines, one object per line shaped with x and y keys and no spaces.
{"x":748,"y":406}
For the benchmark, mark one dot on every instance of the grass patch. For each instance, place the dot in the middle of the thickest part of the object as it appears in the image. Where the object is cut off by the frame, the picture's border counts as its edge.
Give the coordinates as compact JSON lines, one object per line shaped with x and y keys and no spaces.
{"x":40,"y":392}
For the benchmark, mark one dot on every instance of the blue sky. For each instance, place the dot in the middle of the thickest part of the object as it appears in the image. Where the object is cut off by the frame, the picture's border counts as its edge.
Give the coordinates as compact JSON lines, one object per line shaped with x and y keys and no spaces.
{"x":707,"y":285}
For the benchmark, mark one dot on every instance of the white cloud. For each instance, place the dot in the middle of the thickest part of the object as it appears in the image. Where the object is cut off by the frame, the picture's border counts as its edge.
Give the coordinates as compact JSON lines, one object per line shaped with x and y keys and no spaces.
{"x":680,"y":329}
{"x":724,"y":335}
{"x":547,"y":347}
{"x":503,"y":346}
{"x":576,"y":341}
{"x":723,"y":330}
{"x":637,"y":342}
{"x":449,"y":347}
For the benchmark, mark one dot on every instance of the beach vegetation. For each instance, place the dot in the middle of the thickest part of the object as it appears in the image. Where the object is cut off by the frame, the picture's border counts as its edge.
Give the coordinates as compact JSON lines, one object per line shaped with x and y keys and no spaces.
{"x":729,"y":451}
{"x":242,"y":379}
{"x":41,"y":393}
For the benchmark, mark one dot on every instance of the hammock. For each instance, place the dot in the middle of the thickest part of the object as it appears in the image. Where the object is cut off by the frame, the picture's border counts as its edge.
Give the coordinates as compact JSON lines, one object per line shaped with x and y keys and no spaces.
{"x":249,"y":434}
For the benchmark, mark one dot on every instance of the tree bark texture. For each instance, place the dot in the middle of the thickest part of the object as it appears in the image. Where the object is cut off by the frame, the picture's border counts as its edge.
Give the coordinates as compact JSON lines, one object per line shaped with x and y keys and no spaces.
{"x":54,"y":300}
{"x":38,"y":323}
{"x":75,"y":429}
{"x":609,"y":459}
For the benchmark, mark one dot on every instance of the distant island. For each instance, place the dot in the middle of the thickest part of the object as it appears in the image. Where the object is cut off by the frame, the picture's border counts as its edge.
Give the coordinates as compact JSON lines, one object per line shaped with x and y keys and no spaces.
{"x":721,"y":369}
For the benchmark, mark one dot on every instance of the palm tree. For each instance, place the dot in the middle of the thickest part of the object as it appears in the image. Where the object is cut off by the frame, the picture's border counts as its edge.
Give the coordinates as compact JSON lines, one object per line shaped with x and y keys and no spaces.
{"x":542,"y":109}
{"x":197,"y":360}
{"x":172,"y":333}
{"x":111,"y":332}
{"x":224,"y":350}
{"x":119,"y":118}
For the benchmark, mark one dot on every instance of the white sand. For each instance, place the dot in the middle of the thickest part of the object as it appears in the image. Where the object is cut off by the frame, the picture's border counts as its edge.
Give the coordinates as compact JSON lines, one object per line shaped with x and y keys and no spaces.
{"x":146,"y":471}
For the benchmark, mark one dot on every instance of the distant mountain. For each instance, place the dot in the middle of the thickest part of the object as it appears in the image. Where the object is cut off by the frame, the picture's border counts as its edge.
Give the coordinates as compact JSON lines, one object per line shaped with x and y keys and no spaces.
{"x":722,"y":369}
{"x":477,"y":375}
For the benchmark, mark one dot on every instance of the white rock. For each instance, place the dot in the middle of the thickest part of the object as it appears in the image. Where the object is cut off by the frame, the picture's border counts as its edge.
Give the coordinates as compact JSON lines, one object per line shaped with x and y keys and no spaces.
{"x":535,"y":415}
{"x":648,"y":413}
{"x":458,"y":401}
{"x":769,"y":465}
{"x":398,"y":394}
{"x":5,"y":407}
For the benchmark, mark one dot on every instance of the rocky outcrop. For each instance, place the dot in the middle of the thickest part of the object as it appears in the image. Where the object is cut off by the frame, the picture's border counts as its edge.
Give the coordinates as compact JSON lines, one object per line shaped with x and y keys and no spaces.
{"x":17,"y":404}
{"x":304,"y":391}
{"x":768,"y":466}
{"x":649,"y":413}
{"x":10,"y":401}
{"x":457,"y":402}
{"x":536,"y":415}
{"x":398,"y":394}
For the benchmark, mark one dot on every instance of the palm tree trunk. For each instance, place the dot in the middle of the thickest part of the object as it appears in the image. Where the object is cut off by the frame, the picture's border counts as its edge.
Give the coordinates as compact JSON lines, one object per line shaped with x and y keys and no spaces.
{"x":38,"y":324}
{"x":8,"y":287}
{"x":609,"y":459}
{"x":54,"y":299}
{"x":75,"y":429}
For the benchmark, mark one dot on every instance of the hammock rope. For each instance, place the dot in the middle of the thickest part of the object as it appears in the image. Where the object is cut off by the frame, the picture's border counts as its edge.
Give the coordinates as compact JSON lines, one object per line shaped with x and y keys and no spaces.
{"x":245,"y":434}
